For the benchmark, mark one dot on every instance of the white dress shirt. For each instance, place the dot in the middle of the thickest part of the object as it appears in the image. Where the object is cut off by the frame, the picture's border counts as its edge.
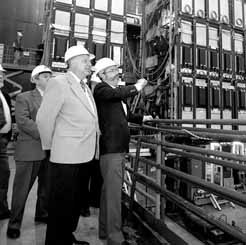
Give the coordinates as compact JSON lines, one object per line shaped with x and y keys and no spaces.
{"x":40,"y":91}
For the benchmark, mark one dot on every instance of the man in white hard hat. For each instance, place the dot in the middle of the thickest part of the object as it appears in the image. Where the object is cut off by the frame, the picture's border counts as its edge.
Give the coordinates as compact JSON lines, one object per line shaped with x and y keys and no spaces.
{"x":113,"y":116}
{"x":5,"y":136}
{"x":69,"y":128}
{"x":30,"y":158}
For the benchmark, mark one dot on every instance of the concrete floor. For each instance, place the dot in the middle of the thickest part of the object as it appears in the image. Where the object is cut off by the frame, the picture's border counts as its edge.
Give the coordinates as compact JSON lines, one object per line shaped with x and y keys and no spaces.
{"x":33,"y":233}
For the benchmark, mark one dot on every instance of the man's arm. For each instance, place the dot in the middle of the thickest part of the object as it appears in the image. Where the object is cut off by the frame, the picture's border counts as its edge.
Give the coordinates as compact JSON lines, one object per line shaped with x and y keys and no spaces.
{"x":48,"y":112}
{"x":103,"y":91}
{"x":22,"y":117}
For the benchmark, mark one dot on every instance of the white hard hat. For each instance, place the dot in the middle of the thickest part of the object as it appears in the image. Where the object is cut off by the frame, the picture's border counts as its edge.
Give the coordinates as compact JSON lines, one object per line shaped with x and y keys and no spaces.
{"x":103,"y":64}
{"x":1,"y":68}
{"x":76,"y":51}
{"x":40,"y":69}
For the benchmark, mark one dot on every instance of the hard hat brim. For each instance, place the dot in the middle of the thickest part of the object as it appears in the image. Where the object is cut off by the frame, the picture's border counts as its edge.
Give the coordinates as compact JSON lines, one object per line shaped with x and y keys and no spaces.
{"x":93,"y":68}
{"x":91,"y":56}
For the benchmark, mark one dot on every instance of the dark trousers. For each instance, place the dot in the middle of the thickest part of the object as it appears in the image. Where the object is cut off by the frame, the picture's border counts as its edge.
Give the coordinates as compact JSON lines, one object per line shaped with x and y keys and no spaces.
{"x":25,"y":176}
{"x":4,"y":176}
{"x":96,"y":182}
{"x":94,"y":186}
{"x":68,"y":183}
{"x":112,"y":168}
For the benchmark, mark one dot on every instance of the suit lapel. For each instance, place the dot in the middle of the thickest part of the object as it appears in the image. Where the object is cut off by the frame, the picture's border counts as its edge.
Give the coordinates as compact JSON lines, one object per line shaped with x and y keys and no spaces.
{"x":75,"y":86}
{"x":92,"y":99}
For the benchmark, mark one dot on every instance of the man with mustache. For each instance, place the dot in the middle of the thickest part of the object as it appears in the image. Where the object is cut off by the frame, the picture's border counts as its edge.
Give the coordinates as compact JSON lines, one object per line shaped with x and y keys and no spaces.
{"x":113,"y":115}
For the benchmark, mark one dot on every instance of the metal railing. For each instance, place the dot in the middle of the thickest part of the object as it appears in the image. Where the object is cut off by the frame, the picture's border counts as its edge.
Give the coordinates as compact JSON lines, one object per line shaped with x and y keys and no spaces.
{"x":160,"y":136}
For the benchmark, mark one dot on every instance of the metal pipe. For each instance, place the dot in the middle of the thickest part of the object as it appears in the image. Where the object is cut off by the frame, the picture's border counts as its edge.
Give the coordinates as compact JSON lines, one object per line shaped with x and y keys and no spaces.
{"x":208,"y":135}
{"x":200,"y":121}
{"x":226,"y":193}
{"x":184,"y":204}
{"x":223,"y":163}
{"x":225,"y":155}
{"x":210,"y":130}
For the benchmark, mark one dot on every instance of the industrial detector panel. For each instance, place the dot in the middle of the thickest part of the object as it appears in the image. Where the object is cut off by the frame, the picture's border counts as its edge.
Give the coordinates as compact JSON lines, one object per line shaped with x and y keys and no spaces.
{"x":239,"y":176}
{"x":201,"y":114}
{"x":213,"y":172}
{"x":201,"y":100}
{"x":215,"y":95}
{"x":242,"y":116}
{"x":241,"y":104}
{"x":187,"y":99}
{"x":227,"y":103}
{"x":215,"y":115}
{"x":227,"y":114}
{"x":187,"y":113}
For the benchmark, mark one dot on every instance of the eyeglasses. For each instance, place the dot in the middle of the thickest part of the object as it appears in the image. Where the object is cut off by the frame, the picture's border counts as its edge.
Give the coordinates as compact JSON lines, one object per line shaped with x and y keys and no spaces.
{"x":112,"y":70}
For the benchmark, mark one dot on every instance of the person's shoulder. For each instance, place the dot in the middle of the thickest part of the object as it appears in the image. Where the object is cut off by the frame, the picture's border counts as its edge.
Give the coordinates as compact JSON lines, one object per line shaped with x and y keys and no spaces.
{"x":59,"y":80}
{"x":101,"y":85}
{"x":24,"y":95}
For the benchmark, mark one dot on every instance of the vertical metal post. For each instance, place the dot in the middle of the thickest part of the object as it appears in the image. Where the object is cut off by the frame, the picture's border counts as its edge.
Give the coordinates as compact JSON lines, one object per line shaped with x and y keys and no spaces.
{"x":158,"y":177}
{"x":142,"y":41}
{"x":170,"y":60}
{"x":134,"y":179}
{"x":176,"y":63}
{"x":163,"y":180}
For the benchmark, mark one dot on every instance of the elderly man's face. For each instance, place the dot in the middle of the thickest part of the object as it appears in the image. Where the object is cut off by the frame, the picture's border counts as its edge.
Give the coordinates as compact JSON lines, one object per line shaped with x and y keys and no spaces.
{"x":82,"y":65}
{"x":1,"y":79}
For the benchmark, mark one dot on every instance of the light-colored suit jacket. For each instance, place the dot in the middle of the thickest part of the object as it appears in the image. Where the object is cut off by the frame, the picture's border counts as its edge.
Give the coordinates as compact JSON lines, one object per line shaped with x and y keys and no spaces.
{"x":67,"y":124}
{"x":28,"y":146}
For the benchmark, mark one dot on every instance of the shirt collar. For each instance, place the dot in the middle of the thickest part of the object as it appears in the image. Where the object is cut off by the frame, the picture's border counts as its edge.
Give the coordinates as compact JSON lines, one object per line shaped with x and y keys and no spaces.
{"x":41,"y":92}
{"x":75,"y":77}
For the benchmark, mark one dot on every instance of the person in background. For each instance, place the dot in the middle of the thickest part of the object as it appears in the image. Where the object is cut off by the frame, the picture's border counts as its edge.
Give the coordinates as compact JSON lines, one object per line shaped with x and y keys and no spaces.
{"x":31,"y":161}
{"x":18,"y":48}
{"x":113,"y":115}
{"x":5,"y":136}
{"x":69,"y":128}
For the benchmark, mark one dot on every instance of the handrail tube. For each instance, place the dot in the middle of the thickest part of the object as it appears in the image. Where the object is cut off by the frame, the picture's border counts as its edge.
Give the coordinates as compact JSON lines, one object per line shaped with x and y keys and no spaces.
{"x":210,"y":130}
{"x":151,"y":146}
{"x":184,"y":204}
{"x":214,"y":153}
{"x":228,"y":194}
{"x":216,"y":161}
{"x":217,"y":136}
{"x":200,"y":121}
{"x":200,"y":150}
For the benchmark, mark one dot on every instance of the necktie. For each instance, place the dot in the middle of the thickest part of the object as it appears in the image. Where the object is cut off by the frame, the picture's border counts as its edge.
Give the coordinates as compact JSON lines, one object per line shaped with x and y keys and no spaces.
{"x":87,"y":93}
{"x":82,"y":85}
